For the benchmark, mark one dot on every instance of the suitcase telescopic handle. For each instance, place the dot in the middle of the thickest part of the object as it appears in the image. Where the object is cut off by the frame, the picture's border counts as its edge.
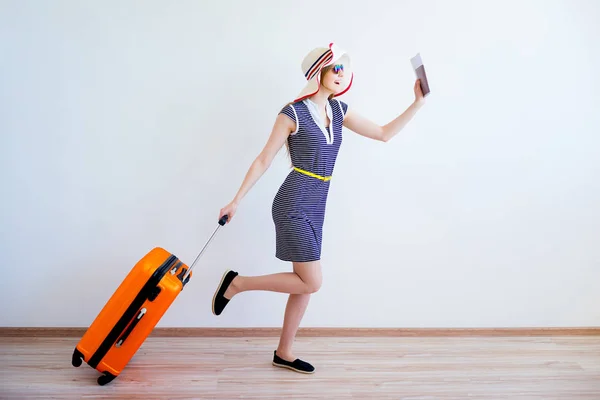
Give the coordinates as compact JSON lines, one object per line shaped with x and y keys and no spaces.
{"x":222,"y":222}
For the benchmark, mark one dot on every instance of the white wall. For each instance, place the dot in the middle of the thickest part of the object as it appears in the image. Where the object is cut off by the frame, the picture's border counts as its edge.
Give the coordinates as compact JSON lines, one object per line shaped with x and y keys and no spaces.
{"x":483,"y":212}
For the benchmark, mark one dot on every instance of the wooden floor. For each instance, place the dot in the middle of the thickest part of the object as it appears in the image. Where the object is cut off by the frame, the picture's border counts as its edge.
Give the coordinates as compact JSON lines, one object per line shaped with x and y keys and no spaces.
{"x":410,"y":368}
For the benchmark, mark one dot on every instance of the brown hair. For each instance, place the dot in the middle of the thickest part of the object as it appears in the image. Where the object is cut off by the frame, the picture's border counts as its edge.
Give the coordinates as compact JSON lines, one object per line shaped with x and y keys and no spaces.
{"x":324,"y":70}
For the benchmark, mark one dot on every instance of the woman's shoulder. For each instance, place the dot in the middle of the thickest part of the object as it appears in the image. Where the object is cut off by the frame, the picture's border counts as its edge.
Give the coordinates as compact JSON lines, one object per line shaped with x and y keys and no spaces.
{"x":291,"y":105}
{"x":291,"y":111}
{"x":343,"y":106}
{"x":298,"y":109}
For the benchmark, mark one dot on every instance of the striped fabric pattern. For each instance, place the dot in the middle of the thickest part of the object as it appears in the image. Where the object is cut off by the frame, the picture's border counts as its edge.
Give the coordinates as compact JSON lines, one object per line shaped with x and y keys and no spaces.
{"x":298,"y":208}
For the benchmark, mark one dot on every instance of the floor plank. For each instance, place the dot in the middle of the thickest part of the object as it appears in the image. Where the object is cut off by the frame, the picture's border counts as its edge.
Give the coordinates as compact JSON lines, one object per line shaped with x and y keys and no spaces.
{"x":409,"y":368}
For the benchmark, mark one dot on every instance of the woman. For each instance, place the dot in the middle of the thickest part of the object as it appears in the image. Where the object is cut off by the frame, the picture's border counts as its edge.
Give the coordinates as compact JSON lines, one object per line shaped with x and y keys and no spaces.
{"x":311,"y":127}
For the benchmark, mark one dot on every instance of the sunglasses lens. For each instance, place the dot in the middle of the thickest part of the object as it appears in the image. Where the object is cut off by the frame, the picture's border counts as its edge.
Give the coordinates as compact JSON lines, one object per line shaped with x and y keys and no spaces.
{"x":337,"y":68}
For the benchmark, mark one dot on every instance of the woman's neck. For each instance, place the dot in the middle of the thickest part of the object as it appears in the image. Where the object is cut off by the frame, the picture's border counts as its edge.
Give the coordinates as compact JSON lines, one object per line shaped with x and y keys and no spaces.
{"x":320,"y":98}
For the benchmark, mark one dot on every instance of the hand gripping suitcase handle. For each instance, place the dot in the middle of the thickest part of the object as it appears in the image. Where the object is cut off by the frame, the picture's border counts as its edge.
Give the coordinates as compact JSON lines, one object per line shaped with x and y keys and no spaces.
{"x":222,"y":222}
{"x":223,"y":219}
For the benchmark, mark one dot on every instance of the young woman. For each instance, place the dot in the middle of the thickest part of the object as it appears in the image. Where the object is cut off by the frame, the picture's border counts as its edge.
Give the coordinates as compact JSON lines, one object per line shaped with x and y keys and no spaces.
{"x":311,"y":128}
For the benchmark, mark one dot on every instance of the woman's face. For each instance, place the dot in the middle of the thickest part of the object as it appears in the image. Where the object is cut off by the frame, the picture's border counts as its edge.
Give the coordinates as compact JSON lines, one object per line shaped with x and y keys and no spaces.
{"x":333,"y":78}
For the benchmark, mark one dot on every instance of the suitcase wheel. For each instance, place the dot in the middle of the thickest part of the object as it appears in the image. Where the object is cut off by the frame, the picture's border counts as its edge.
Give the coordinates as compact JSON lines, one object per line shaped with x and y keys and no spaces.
{"x":107,"y":377}
{"x":77,"y":358}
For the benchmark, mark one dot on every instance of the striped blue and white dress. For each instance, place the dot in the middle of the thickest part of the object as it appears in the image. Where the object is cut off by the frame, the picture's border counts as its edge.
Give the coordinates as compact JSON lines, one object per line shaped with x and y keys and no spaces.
{"x":299,"y":206}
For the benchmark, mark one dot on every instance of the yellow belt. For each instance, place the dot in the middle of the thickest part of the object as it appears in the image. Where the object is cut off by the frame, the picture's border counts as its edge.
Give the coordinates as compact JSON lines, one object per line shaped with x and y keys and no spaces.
{"x":323,"y":178}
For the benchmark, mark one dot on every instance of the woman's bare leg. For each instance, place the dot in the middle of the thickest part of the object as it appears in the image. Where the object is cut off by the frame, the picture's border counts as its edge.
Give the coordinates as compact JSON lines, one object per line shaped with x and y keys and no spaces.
{"x":305,"y":279}
{"x":300,"y":284}
{"x":296,"y":306}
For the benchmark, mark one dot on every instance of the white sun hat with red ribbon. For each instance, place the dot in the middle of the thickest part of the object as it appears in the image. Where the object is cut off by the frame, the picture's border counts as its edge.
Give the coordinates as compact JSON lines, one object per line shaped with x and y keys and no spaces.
{"x":315,"y":61}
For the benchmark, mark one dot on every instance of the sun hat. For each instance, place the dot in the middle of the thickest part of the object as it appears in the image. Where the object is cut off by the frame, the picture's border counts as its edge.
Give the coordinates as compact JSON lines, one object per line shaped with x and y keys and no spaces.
{"x":315,"y":61}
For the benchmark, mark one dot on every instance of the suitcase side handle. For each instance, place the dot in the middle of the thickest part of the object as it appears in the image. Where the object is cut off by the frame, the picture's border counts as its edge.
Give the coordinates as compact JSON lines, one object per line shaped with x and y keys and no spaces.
{"x":127,"y":332}
{"x":222,"y":222}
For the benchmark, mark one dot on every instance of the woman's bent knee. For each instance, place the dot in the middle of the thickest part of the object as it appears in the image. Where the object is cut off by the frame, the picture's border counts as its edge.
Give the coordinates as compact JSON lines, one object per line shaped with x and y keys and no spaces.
{"x":313,"y":283}
{"x":313,"y":286}
{"x":310,"y":273}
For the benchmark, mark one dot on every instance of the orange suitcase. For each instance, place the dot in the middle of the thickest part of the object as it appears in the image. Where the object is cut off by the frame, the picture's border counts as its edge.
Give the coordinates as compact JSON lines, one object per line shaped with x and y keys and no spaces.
{"x":133,"y":311}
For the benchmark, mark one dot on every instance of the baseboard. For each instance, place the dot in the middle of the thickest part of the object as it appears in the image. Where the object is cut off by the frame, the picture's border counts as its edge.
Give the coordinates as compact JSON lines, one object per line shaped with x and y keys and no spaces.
{"x":317,"y":332}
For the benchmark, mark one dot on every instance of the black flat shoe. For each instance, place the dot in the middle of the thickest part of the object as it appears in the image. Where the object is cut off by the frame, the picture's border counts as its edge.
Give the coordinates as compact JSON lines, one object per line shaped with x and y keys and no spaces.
{"x":219,"y":300}
{"x":297,"y":365}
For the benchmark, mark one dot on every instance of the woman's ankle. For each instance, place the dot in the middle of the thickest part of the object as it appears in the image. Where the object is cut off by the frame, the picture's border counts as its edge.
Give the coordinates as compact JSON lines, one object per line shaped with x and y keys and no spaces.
{"x":234,"y":287}
{"x":285,"y":353}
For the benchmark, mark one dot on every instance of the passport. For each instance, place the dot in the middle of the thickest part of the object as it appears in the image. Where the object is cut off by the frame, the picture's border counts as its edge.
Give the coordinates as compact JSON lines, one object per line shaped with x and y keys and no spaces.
{"x":417,"y":64}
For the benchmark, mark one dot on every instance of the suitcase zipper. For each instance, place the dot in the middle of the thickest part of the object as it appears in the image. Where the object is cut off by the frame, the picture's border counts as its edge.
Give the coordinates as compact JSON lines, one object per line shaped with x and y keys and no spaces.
{"x":131,"y":311}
